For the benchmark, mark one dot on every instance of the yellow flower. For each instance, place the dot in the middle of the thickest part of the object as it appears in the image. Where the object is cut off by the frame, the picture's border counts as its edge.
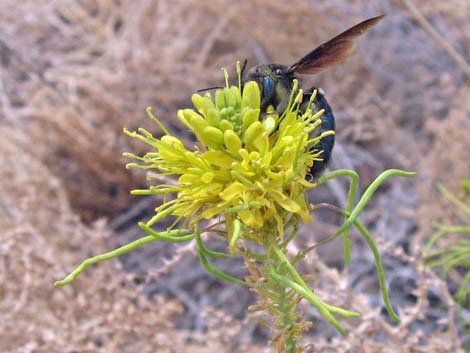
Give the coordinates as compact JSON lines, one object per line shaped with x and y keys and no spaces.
{"x":249,"y":166}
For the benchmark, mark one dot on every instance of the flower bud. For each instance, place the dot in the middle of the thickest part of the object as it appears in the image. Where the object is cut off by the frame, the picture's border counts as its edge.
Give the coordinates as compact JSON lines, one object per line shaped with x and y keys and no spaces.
{"x":230,"y":98}
{"x":232,"y":142}
{"x":212,"y":137}
{"x":251,"y":96}
{"x":212,"y":117}
{"x":254,"y":131}
{"x":219,"y":99}
{"x":249,"y":117}
{"x":197,"y":122}
{"x":270,"y":122}
{"x":198,"y":102}
{"x":226,"y":125}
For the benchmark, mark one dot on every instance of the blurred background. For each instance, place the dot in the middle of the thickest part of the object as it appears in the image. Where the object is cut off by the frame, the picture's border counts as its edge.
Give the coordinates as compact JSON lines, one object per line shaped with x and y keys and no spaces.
{"x":74,"y":73}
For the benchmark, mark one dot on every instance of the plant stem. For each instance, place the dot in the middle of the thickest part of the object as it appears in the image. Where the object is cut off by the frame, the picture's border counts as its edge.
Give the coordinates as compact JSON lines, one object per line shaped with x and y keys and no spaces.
{"x":172,"y":236}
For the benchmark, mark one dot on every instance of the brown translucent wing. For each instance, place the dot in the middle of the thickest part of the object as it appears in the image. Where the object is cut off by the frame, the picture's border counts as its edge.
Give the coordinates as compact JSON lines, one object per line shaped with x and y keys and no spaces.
{"x":334,"y":51}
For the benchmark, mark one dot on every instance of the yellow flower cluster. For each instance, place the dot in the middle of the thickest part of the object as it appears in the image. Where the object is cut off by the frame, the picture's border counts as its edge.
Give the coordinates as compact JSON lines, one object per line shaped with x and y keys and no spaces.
{"x":249,"y":166}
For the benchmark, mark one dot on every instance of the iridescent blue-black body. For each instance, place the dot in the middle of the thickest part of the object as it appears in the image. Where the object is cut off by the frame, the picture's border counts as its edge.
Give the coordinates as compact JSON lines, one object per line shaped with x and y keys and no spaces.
{"x":327,"y":143}
{"x":276,"y":83}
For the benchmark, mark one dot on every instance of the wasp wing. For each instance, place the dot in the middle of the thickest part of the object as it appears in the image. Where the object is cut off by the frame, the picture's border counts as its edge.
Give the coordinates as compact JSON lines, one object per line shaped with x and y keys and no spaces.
{"x":334,"y":51}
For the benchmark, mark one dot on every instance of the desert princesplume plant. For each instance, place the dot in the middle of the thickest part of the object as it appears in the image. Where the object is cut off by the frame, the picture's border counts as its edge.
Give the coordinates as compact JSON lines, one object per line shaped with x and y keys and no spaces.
{"x":249,"y":173}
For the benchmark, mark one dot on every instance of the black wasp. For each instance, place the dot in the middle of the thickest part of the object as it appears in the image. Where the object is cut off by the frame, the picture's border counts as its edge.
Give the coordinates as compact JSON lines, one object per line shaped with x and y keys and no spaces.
{"x":275,"y":82}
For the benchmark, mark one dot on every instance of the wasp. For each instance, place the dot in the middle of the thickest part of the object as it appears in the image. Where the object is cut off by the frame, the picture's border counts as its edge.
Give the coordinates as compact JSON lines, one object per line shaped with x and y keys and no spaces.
{"x":276,"y":83}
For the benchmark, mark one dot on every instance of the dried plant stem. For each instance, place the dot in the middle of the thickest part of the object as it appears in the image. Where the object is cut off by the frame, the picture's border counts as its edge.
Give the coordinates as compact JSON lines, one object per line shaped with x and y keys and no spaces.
{"x":437,"y":37}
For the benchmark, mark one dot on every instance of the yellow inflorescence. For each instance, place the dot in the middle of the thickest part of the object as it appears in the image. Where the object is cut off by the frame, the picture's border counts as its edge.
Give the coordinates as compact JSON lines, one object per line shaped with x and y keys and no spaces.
{"x":251,"y":165}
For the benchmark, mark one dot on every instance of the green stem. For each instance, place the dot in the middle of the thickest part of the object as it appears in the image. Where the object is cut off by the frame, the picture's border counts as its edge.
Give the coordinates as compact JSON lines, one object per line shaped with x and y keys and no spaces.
{"x":350,"y":203}
{"x":312,"y":298}
{"x":452,"y":198}
{"x":464,"y":289}
{"x":304,"y":290}
{"x":445,"y":251}
{"x":378,"y":263}
{"x":441,"y":231}
{"x":435,"y":237}
{"x":209,"y":267}
{"x":380,"y":270}
{"x":367,"y":196}
{"x":456,"y":259}
{"x":294,"y":223}
{"x":237,"y":227}
{"x":217,"y":254}
{"x":172,"y":236}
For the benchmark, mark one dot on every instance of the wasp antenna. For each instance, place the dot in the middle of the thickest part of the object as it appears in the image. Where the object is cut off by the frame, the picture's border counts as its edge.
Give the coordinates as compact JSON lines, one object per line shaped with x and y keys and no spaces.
{"x":244,"y":67}
{"x":209,"y":88}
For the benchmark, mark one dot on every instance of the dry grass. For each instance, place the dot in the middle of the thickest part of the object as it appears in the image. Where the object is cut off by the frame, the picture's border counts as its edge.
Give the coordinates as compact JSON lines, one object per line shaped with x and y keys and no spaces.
{"x":74,"y":73}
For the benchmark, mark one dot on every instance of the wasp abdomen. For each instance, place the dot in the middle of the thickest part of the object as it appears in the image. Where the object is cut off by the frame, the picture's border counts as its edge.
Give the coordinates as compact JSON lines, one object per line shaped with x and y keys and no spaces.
{"x":327,"y":143}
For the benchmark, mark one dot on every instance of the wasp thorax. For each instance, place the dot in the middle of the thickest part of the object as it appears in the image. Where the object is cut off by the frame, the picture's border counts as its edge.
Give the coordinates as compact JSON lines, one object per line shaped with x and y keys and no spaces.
{"x":275,"y":83}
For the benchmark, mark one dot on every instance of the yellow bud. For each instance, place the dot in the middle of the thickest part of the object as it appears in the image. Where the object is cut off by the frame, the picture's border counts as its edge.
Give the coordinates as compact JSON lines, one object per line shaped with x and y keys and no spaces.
{"x":182,"y":118}
{"x":254,"y":131}
{"x":173,"y":141}
{"x":236,"y":93}
{"x":212,"y":137}
{"x":207,"y":108}
{"x":219,"y":99}
{"x":198,"y":102}
{"x":230,"y":98}
{"x":190,"y":114}
{"x":270,"y":122}
{"x":212,"y":117}
{"x":251,"y":96}
{"x":249,"y":117}
{"x":226,"y":125}
{"x":197,"y":122}
{"x":232,"y":142}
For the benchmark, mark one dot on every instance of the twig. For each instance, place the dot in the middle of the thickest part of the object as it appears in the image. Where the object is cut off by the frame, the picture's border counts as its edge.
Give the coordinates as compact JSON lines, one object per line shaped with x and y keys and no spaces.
{"x":212,"y":37}
{"x":125,"y":217}
{"x":437,"y":37}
